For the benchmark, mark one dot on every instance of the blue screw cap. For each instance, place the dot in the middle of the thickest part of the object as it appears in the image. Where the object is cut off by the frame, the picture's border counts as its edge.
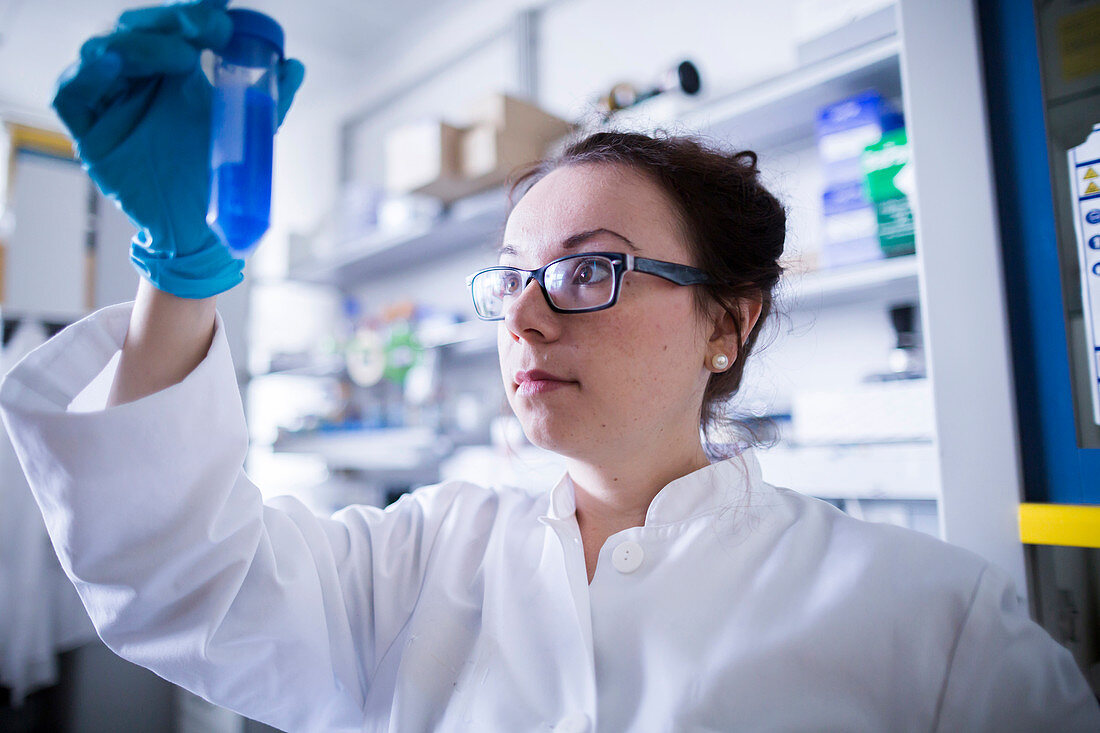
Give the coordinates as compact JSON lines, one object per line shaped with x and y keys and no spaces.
{"x":248,"y":27}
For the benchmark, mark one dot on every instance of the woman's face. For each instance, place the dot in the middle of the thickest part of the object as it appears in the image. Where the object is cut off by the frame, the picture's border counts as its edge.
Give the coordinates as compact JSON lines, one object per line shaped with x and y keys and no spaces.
{"x":631,"y":376}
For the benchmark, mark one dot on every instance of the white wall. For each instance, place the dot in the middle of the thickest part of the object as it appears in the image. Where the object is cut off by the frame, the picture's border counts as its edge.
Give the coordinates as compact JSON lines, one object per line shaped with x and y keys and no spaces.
{"x":584,"y":47}
{"x":589,"y":45}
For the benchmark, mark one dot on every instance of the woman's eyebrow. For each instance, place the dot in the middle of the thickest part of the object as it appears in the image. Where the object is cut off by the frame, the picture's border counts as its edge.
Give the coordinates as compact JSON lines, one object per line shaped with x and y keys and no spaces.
{"x":575,"y":240}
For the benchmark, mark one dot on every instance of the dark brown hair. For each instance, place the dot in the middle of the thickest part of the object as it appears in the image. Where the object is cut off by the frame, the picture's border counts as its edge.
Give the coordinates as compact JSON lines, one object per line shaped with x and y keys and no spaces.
{"x":734,"y":226}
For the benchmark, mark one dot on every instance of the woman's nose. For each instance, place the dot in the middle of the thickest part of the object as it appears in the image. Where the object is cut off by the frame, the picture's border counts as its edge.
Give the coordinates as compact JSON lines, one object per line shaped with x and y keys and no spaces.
{"x":528,"y":316}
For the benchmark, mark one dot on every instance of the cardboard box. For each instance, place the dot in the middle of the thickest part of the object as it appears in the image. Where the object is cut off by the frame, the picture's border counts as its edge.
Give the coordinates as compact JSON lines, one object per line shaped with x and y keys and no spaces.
{"x":448,"y":162}
{"x":489,"y":154}
{"x":508,"y":133}
{"x":519,"y":119}
{"x":423,"y":157}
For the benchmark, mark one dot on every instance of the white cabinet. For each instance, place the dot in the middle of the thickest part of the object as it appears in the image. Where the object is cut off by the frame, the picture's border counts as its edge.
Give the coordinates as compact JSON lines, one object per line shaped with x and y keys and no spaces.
{"x":962,"y":285}
{"x":46,"y":252}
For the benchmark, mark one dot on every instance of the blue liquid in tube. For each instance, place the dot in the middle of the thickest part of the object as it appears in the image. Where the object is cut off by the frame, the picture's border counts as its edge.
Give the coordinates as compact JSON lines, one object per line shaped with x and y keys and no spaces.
{"x":243,"y":130}
{"x":240,"y":194}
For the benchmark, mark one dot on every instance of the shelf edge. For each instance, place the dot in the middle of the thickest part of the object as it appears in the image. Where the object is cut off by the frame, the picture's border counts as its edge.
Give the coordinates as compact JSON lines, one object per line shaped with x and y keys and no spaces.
{"x":770,"y":91}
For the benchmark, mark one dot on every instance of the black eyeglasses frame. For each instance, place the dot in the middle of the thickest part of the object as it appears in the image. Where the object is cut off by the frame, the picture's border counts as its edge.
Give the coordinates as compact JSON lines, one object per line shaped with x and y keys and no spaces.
{"x":621,"y":263}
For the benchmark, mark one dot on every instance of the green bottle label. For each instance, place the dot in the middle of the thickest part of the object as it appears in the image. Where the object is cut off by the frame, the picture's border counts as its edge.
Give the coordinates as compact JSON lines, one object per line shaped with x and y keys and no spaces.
{"x":884,"y":165}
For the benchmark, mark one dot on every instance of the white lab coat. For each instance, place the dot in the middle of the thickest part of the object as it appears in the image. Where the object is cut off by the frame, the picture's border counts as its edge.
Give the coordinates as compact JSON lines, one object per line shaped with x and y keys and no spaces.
{"x":738,"y":606}
{"x":40,"y":613}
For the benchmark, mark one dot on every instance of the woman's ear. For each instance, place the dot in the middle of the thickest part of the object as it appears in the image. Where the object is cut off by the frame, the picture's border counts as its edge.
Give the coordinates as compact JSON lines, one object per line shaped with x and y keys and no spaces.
{"x":724,"y":338}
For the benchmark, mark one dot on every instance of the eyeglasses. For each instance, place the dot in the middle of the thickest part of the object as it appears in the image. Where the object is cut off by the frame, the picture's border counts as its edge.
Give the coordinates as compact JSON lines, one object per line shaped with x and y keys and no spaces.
{"x":580,"y":283}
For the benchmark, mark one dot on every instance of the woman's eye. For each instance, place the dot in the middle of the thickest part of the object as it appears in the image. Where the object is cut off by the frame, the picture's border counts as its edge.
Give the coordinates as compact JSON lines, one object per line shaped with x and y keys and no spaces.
{"x":589,"y":273}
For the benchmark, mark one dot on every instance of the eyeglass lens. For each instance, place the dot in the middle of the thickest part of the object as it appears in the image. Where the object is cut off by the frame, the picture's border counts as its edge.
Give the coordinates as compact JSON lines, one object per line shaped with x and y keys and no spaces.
{"x":575,"y":283}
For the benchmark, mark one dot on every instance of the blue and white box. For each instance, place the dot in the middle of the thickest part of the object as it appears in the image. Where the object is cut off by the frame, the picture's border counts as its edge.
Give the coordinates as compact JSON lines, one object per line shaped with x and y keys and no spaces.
{"x":843,"y":130}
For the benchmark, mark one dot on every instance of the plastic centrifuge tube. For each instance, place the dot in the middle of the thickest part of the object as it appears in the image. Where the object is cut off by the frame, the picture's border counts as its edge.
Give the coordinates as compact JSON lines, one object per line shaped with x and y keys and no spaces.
{"x":243,"y":130}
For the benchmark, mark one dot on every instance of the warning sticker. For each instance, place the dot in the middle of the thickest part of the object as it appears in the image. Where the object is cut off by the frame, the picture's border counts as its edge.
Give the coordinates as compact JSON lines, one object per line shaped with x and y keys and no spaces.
{"x":1088,"y":180}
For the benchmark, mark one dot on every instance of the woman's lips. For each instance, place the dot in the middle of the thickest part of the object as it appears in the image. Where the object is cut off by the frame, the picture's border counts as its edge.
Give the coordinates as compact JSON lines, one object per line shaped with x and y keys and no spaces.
{"x":537,"y":381}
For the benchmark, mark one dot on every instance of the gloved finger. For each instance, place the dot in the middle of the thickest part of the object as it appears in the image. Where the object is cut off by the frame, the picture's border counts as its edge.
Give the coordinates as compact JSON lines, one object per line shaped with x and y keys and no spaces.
{"x":290,"y":74}
{"x":80,"y":89}
{"x":203,"y":24}
{"x":144,"y":53}
{"x":117,"y":121}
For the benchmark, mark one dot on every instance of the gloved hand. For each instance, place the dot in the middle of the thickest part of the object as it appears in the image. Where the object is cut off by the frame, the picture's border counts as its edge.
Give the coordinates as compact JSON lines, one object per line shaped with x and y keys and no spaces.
{"x":138,"y":106}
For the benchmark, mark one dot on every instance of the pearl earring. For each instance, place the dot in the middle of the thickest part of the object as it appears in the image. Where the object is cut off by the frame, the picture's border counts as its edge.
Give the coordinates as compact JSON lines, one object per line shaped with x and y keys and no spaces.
{"x":720,"y":361}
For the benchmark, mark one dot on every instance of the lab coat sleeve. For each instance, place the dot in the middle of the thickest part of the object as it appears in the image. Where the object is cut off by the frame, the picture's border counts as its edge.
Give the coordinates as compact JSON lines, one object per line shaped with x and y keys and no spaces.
{"x":1008,"y":674}
{"x":268,"y":610}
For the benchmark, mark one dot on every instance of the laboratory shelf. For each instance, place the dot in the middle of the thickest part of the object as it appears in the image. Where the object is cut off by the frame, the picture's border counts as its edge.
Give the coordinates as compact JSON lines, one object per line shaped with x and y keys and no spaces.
{"x":782,"y":109}
{"x":888,"y":279}
{"x":382,"y":449}
{"x":1070,"y":525}
{"x":766,"y":115}
{"x":471,"y":222}
{"x":466,"y":337}
{"x":464,"y":332}
{"x":324,"y":371}
{"x":892,"y":279}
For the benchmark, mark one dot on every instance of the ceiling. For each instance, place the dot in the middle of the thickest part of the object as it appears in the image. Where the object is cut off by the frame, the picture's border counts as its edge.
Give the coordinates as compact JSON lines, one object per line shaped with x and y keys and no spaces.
{"x":39,"y":38}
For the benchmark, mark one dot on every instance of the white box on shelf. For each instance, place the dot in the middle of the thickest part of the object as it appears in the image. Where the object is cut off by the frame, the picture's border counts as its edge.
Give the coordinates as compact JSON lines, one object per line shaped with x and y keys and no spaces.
{"x":876,"y":412}
{"x":884,"y":471}
{"x":423,"y":157}
{"x":403,"y":212}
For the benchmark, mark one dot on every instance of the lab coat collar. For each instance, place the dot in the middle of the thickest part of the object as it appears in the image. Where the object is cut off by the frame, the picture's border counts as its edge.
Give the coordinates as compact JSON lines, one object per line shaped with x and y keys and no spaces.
{"x":700,"y":492}
{"x":562,"y":499}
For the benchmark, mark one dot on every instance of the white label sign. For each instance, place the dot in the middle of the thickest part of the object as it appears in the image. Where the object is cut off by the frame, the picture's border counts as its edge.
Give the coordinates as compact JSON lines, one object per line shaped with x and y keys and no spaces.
{"x":1084,"y":171}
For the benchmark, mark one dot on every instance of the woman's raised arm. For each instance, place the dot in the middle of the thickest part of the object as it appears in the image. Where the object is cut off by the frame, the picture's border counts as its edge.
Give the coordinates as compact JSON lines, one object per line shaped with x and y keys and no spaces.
{"x":168,"y":337}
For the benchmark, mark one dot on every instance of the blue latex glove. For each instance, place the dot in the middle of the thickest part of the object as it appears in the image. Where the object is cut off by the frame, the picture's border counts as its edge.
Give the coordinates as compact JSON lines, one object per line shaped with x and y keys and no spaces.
{"x":138,"y":106}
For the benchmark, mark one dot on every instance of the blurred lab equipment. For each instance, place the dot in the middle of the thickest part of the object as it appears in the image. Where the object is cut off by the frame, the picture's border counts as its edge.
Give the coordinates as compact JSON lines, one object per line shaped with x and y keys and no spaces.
{"x":365,"y":356}
{"x":892,"y":405}
{"x":906,"y":359}
{"x":402,"y":351}
{"x":243,"y":130}
{"x":683,"y":77}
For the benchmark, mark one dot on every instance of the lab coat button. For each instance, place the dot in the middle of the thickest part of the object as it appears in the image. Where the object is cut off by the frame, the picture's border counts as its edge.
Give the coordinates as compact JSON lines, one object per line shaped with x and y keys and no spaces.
{"x":627,"y":557}
{"x":576,"y":722}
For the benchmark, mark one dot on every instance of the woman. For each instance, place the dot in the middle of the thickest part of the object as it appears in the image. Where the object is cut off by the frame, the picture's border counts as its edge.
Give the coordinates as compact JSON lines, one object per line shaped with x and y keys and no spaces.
{"x":649,"y":590}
